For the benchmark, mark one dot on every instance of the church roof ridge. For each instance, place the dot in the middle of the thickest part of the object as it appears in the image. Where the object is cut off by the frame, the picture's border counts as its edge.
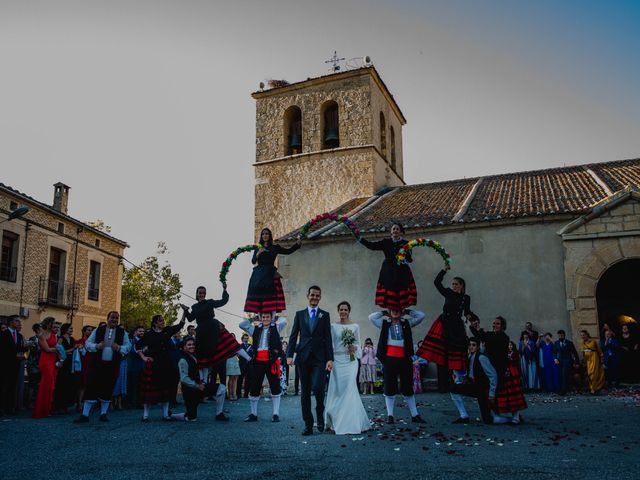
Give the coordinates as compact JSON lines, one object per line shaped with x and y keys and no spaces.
{"x":535,"y":193}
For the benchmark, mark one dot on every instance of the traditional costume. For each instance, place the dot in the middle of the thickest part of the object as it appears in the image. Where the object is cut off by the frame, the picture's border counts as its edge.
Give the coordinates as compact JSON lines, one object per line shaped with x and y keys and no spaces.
{"x":267,"y":347}
{"x":446,"y":341}
{"x":510,"y":394}
{"x":106,"y":368}
{"x":265,"y":293}
{"x":191,"y":392}
{"x":480,"y":382}
{"x":156,"y":382}
{"x":395,"y":349}
{"x":396,"y":288}
{"x":593,"y":359}
{"x":214,"y":344}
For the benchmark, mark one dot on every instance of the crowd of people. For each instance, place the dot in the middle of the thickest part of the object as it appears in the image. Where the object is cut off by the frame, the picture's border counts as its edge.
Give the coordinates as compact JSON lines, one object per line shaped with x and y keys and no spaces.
{"x":109,"y":368}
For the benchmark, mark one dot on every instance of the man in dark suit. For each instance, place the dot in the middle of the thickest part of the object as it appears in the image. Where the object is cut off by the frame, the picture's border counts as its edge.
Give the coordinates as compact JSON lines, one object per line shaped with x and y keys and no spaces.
{"x":11,"y":353}
{"x":566,"y":357}
{"x":310,"y":340}
{"x":244,"y":369}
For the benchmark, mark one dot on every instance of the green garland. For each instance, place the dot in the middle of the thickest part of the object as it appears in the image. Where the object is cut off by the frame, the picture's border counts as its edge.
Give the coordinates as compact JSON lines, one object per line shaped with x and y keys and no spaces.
{"x":406,"y":249}
{"x":232,"y":256}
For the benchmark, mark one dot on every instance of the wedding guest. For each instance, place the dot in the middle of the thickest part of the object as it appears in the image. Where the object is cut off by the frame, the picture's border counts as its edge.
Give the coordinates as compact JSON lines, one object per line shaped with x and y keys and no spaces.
{"x":528,"y":329}
{"x":395,"y":349}
{"x":66,"y":391}
{"x":176,"y":354}
{"x":191,"y":332}
{"x":368,"y":367}
{"x":213,"y":343}
{"x":136,"y":367}
{"x":33,"y":372}
{"x":233,"y":373}
{"x":446,"y":342}
{"x":157,"y":377}
{"x":629,"y":355}
{"x":592,"y":358}
{"x":550,"y":370}
{"x":345,"y":413}
{"x":566,"y":357}
{"x":265,"y":291}
{"x":87,"y":359}
{"x":111,"y":343}
{"x":284,"y":368}
{"x":22,"y":360}
{"x":480,"y":382}
{"x":267,"y":347}
{"x":529,"y":362}
{"x":47,"y":367}
{"x":243,"y":381}
{"x":194,"y":389}
{"x":11,"y":355}
{"x":611,"y":358}
{"x":396,"y":288}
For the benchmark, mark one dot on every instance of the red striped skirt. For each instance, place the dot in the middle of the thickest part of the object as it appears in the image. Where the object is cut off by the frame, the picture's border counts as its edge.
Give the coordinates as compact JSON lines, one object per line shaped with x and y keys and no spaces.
{"x":510,"y":394}
{"x":153,"y":391}
{"x":260,"y":303}
{"x":397,"y":299}
{"x":435,"y":348}
{"x":227,"y":347}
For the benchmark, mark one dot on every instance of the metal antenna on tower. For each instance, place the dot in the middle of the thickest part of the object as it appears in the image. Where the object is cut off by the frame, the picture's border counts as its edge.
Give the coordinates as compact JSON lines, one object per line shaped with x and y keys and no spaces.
{"x":334,"y":61}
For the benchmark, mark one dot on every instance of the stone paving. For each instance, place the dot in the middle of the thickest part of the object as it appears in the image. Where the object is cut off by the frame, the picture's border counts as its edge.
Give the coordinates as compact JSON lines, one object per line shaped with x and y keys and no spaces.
{"x":572,"y":437}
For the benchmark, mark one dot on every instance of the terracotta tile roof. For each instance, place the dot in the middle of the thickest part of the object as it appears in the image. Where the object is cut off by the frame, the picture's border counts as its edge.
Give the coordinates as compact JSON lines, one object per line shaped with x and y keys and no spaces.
{"x":566,"y":190}
{"x":64,"y":216}
{"x":542,"y":192}
{"x":618,"y":174}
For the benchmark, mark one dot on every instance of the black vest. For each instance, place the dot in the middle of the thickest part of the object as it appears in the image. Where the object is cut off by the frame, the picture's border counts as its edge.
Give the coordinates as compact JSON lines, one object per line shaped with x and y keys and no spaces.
{"x":193,"y":367}
{"x":100,"y":332}
{"x":479,"y":376}
{"x":384,"y":340}
{"x":275,"y":344}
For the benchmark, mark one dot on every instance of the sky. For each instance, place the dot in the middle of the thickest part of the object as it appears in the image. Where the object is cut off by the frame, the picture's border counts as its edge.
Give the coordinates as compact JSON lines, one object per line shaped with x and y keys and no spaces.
{"x":144,"y":107}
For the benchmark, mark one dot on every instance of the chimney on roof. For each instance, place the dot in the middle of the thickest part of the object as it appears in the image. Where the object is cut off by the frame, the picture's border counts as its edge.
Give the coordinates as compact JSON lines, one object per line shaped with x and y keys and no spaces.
{"x":61,"y":197}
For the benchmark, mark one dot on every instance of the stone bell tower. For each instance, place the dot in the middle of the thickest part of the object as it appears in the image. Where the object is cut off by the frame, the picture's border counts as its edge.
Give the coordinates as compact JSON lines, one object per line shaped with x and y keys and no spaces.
{"x":322,"y":142}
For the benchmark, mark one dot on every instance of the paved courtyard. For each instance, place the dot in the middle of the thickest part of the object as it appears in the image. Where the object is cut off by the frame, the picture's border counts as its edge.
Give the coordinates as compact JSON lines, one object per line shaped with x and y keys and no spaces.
{"x":573,"y":437}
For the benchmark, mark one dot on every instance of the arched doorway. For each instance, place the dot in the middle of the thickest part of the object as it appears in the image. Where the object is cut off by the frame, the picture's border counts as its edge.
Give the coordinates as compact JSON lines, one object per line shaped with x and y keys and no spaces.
{"x":618,"y":295}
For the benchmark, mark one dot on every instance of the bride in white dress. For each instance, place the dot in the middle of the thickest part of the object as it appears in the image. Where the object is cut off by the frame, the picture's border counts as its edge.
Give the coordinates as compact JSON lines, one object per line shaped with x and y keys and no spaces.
{"x":344,"y":412}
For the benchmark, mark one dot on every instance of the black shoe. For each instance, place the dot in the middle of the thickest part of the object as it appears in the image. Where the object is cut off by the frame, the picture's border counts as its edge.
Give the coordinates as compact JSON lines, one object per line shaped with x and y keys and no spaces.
{"x":104,"y":418}
{"x":462,"y":420}
{"x":417,"y":419}
{"x":390,"y":419}
{"x":145,"y":419}
{"x":223,"y":417}
{"x":251,"y":418}
{"x":307,"y":431}
{"x":275,"y":419}
{"x":81,"y":419}
{"x":321,"y":427}
{"x":168,"y":418}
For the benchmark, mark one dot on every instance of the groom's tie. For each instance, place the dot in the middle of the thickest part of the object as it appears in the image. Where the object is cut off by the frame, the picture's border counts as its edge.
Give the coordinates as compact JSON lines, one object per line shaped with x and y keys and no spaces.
{"x":313,"y":319}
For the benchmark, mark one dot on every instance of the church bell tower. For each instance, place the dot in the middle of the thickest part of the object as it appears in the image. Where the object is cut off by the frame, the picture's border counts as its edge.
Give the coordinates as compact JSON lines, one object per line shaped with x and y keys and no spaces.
{"x":322,"y":142}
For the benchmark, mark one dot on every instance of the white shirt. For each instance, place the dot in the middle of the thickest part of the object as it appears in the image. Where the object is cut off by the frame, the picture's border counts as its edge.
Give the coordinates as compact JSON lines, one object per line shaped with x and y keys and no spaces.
{"x":396,"y":336}
{"x":263,"y":343}
{"x":107,"y":352}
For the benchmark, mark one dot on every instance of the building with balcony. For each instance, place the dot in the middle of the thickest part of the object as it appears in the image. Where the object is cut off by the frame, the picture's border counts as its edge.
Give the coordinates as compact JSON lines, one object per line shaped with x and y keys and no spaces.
{"x":52,"y":264}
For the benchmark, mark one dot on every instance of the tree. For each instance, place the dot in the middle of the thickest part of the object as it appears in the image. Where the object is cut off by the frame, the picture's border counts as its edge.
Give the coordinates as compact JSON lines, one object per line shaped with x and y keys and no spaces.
{"x":100,"y":225}
{"x":150,"y":289}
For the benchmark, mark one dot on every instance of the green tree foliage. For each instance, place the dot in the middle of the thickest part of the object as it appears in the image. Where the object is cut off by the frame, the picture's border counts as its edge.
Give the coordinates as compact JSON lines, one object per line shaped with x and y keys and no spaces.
{"x":150,"y":290}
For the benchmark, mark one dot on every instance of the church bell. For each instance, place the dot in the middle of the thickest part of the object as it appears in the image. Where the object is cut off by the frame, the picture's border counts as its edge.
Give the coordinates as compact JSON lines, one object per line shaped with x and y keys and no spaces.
{"x":331,"y":136}
{"x":295,"y":141}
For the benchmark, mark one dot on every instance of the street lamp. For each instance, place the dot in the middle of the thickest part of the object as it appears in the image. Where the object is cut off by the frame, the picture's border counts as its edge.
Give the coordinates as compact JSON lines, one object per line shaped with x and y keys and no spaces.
{"x":17,"y":213}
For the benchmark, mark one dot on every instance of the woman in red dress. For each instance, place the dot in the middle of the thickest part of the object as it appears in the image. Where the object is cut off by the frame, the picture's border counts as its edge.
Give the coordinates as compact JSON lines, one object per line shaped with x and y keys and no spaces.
{"x":48,"y":370}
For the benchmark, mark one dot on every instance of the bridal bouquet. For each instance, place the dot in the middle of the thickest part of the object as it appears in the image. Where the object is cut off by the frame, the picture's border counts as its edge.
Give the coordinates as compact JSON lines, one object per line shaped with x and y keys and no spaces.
{"x":348,"y":339}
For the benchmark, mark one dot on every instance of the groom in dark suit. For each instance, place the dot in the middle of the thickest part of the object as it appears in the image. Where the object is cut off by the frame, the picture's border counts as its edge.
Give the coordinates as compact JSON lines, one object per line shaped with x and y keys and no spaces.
{"x":310,"y":340}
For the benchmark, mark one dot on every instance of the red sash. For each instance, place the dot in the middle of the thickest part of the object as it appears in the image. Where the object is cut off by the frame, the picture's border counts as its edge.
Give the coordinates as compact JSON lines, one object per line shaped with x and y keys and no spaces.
{"x":262,"y":355}
{"x":393,"y":351}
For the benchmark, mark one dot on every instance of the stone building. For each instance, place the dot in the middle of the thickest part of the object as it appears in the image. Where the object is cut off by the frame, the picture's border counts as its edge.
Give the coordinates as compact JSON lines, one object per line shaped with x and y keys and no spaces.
{"x":55,"y":265}
{"x":558,"y":247}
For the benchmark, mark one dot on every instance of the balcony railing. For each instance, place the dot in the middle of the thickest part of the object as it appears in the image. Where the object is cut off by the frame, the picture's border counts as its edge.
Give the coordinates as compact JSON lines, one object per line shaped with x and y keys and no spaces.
{"x":9,"y":274}
{"x":59,"y":294}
